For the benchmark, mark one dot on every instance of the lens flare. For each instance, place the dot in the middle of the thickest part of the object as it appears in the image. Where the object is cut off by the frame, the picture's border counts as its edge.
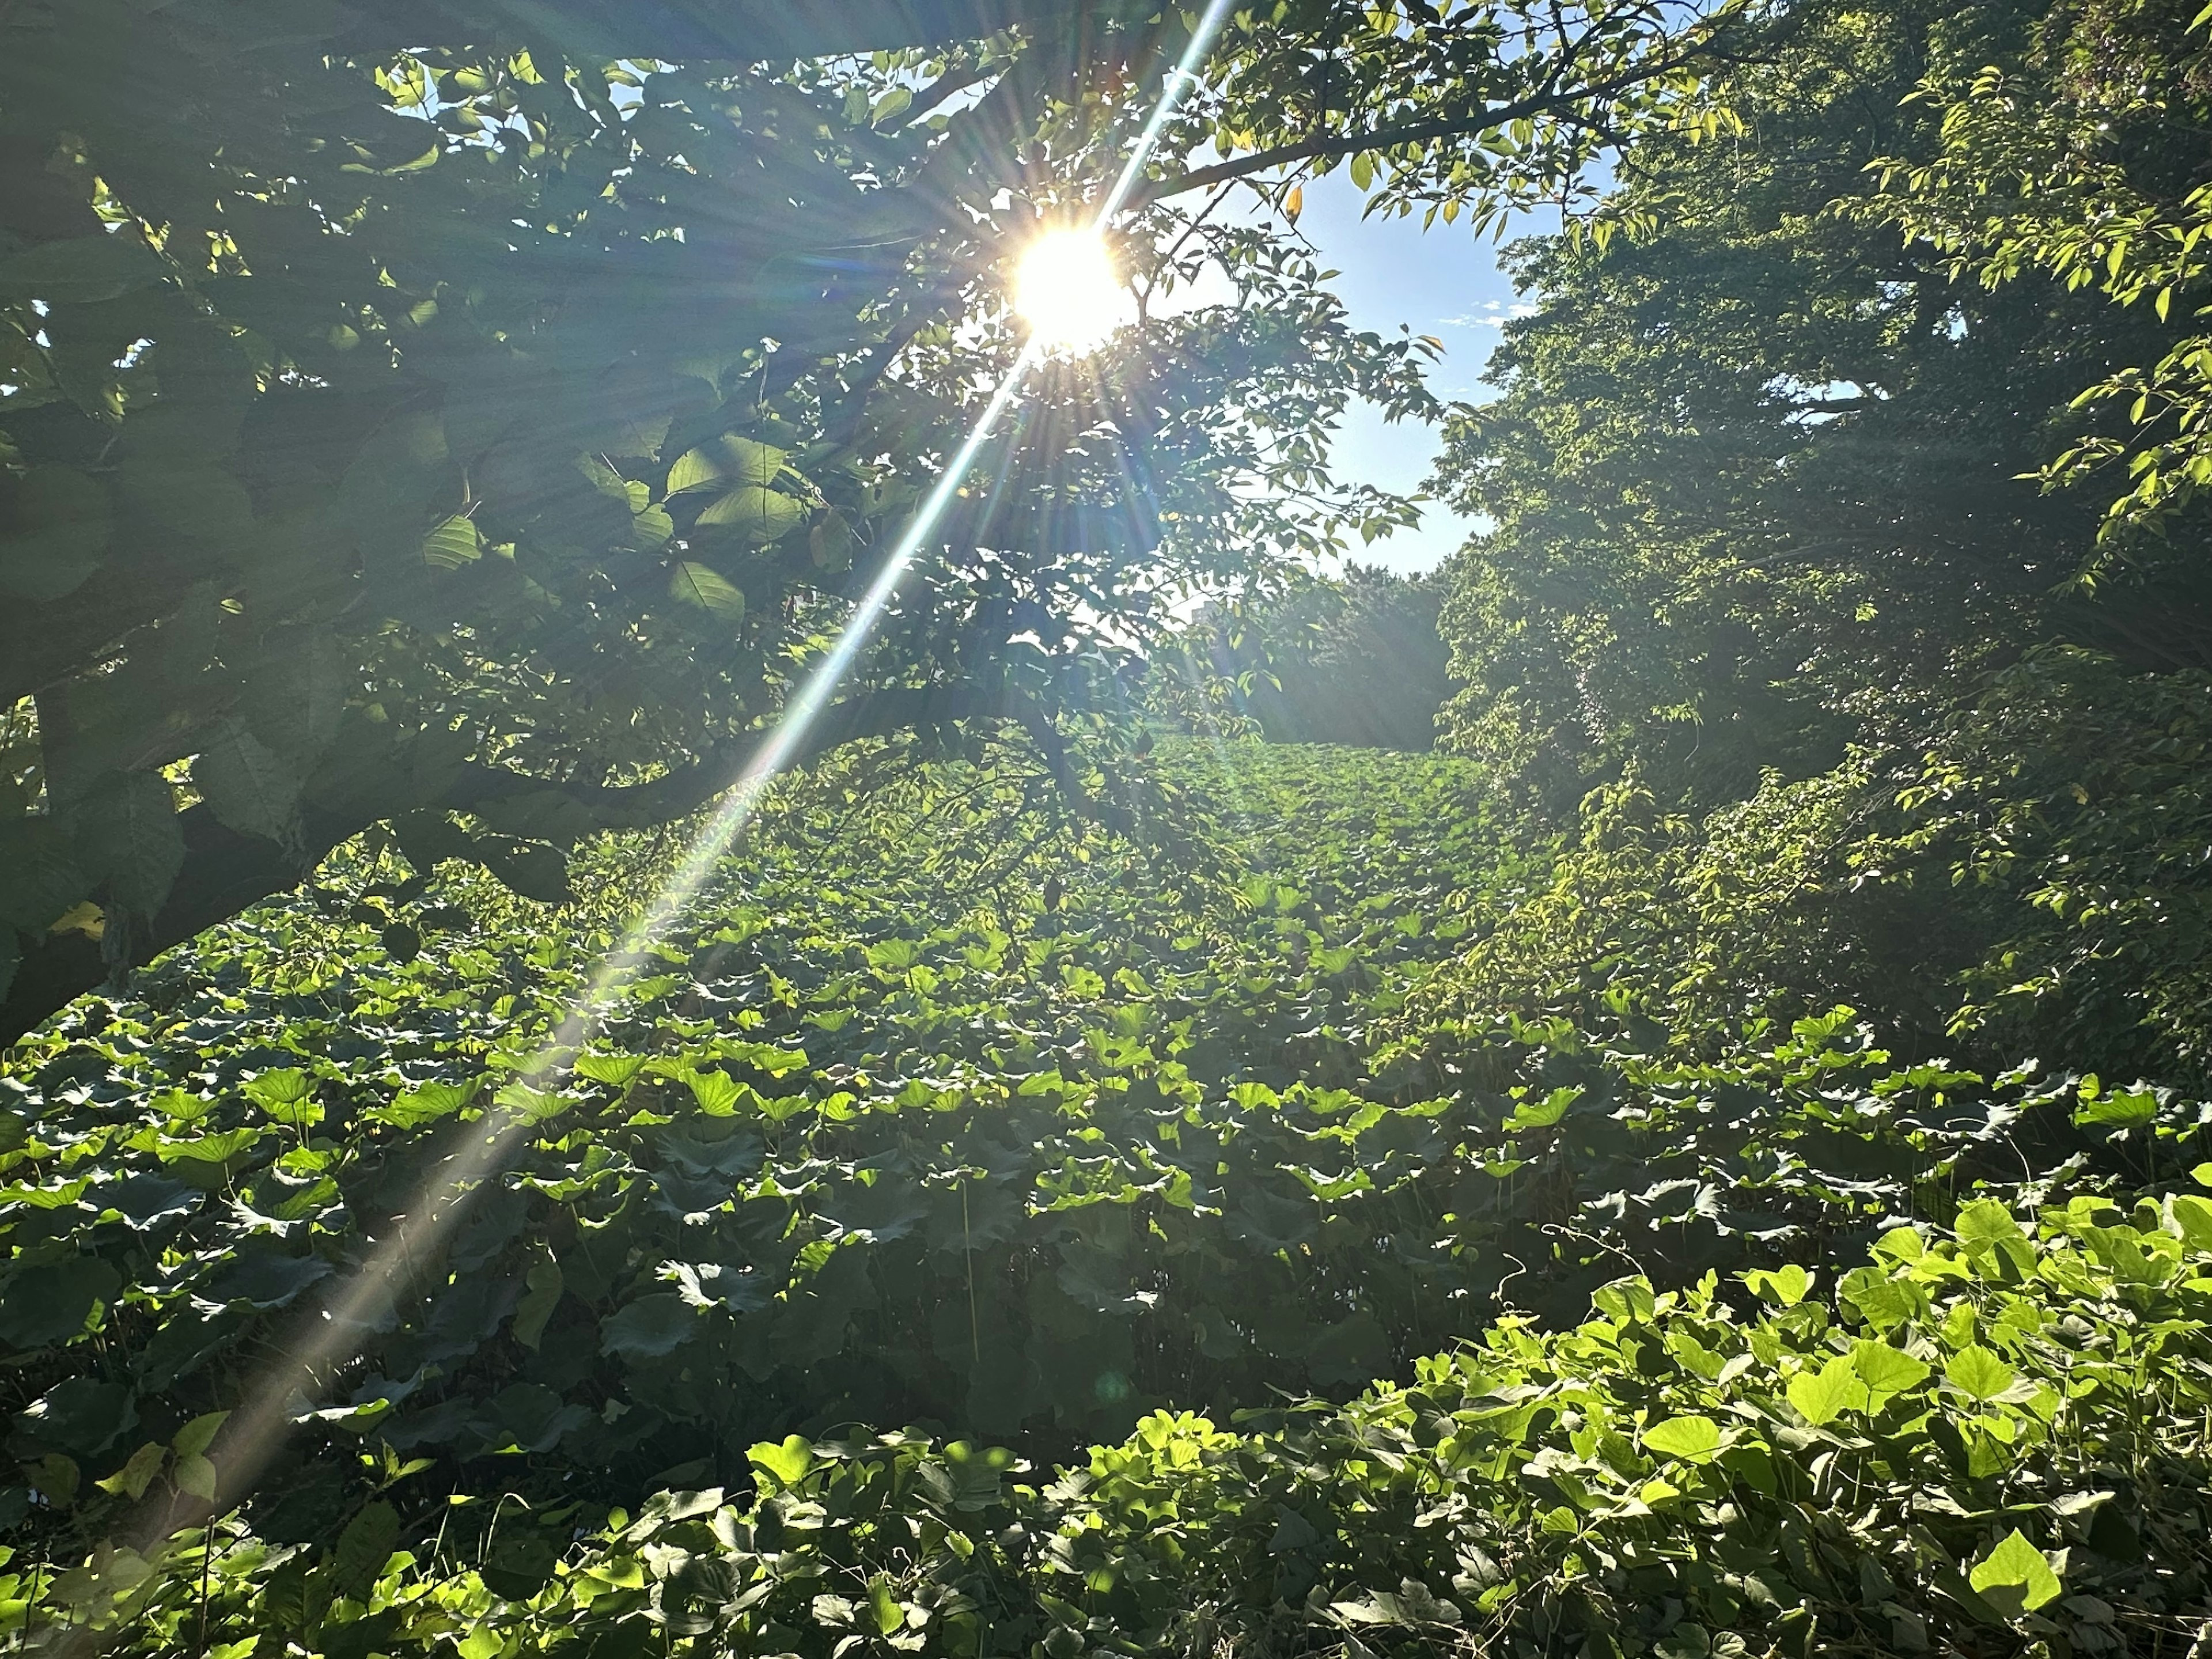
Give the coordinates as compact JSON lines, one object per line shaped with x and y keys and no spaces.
{"x":1068,"y":292}
{"x":289,"y":1391}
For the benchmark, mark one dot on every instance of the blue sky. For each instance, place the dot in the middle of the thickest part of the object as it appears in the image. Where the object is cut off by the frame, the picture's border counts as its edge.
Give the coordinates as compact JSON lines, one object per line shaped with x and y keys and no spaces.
{"x":1442,"y":282}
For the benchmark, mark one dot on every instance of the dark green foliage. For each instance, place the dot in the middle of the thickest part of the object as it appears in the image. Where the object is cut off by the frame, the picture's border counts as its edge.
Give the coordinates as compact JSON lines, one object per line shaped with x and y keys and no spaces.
{"x":1984,"y":1439}
{"x":1357,"y":661}
{"x":1772,"y":566}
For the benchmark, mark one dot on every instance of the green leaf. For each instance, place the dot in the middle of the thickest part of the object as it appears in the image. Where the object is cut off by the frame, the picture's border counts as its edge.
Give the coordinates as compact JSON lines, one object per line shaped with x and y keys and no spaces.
{"x":545,"y":1283}
{"x":1692,"y":1439}
{"x":649,"y":1328}
{"x":127,"y":834}
{"x":730,"y":462}
{"x":81,"y":270}
{"x":1784,"y":1287}
{"x":2193,"y":1216}
{"x":618,"y":1070}
{"x":55,"y":528}
{"x":2121,"y":1108}
{"x":537,"y":871}
{"x":1978,"y":1374}
{"x":718,"y":1093}
{"x":705,"y":588}
{"x":764,"y":515}
{"x":53,"y":1302}
{"x":425,"y":1104}
{"x":2015,"y":1576}
{"x":1886,"y":1372}
{"x":1820,"y":1397}
{"x":833,"y":544}
{"x":534,"y":1105}
{"x":134,"y":1477}
{"x":40,"y":879}
{"x":196,"y":1436}
{"x":287,"y":1097}
{"x":788,"y":1462}
{"x":197,"y":1475}
{"x":247,"y":785}
{"x":363,"y":1547}
{"x":453,"y":544}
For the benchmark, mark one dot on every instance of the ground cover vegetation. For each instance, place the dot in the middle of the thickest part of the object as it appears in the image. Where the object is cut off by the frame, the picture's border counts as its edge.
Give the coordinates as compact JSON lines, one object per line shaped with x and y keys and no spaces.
{"x":1035,"y":1152}
{"x":1715,"y":1166}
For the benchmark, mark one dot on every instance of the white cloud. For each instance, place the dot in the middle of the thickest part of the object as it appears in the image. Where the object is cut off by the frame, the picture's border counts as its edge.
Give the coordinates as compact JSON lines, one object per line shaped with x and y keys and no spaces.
{"x":1494,"y":314}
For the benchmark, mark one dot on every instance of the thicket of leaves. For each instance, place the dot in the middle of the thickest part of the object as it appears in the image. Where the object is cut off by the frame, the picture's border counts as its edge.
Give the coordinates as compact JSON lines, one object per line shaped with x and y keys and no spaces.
{"x":1985,"y":1439}
{"x":1790,"y":565}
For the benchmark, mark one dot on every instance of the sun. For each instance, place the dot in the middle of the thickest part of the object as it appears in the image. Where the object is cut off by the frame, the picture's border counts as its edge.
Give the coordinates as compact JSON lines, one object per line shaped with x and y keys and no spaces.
{"x":1068,"y":292}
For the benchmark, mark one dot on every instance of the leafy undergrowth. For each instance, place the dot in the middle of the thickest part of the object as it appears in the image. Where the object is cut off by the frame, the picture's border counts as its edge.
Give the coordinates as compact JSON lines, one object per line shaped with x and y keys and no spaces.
{"x":1988,"y":1441}
{"x":919,"y":1118}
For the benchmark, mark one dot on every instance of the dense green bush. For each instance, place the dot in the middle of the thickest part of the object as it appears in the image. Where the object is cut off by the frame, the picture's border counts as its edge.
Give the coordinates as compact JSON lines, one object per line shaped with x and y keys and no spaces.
{"x":1989,"y":1439}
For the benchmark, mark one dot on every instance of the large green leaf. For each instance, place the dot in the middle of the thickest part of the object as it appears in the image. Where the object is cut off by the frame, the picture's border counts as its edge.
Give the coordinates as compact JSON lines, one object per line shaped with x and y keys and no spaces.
{"x":729,"y":463}
{"x":704,"y":588}
{"x":40,"y":877}
{"x":1823,"y":1395}
{"x":52,"y":1301}
{"x":246,"y":784}
{"x":788,"y":1462}
{"x":763,"y":515}
{"x":1693,"y":1439}
{"x":649,"y":1328}
{"x":83,"y":1415}
{"x":2015,"y":1576}
{"x":127,"y":834}
{"x":453,"y":544}
{"x":55,"y":527}
{"x":364,"y":1546}
{"x":81,"y":270}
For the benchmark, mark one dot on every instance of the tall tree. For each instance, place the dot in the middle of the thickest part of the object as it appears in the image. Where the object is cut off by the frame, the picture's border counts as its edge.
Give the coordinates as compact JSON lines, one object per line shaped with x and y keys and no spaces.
{"x":1757,"y":471}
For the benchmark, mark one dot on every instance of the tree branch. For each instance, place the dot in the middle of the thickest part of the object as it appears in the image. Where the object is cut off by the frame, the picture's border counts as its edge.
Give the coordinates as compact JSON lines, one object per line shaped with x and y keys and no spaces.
{"x":1547,"y":102}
